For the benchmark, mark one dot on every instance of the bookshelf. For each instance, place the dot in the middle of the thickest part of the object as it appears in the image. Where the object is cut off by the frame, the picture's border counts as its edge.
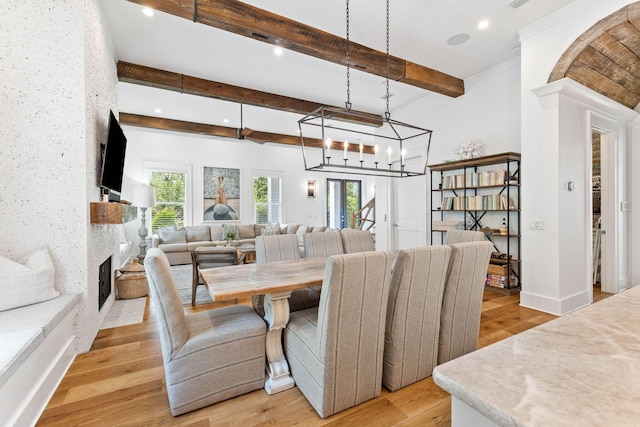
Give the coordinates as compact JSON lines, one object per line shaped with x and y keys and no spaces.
{"x":482,"y":194}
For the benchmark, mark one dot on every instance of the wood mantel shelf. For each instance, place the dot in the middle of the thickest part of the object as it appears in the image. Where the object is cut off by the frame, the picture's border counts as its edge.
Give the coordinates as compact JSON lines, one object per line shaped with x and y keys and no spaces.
{"x":112,"y":213}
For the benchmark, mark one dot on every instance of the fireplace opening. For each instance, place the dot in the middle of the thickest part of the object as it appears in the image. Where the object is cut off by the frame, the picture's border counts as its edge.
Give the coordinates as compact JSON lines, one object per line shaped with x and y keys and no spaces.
{"x":104,"y":282}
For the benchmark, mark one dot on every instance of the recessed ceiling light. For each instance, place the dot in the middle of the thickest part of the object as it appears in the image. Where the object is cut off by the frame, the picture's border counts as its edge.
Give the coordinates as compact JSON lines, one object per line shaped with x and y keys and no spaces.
{"x":483,"y":24}
{"x":458,"y":39}
{"x":226,"y":120}
{"x":277,"y":51}
{"x":147,"y":11}
{"x":157,"y":110}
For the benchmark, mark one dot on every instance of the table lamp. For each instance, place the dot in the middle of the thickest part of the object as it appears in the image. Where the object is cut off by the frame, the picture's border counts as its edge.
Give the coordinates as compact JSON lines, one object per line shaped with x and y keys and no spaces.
{"x":144,"y":196}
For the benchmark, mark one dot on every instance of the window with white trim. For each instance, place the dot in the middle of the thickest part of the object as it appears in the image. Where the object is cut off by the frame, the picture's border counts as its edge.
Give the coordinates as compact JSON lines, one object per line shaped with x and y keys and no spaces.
{"x":267,"y":198}
{"x":172,"y":196}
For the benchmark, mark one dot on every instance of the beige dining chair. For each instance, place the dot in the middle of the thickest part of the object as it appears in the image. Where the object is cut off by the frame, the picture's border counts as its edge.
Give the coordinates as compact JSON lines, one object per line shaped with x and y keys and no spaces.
{"x":462,"y":236}
{"x":413,"y":315}
{"x":208,"y":356}
{"x":210,"y":257}
{"x":462,"y":301}
{"x":357,"y":241}
{"x":283,"y":247}
{"x":322,"y":244}
{"x":335,"y":350}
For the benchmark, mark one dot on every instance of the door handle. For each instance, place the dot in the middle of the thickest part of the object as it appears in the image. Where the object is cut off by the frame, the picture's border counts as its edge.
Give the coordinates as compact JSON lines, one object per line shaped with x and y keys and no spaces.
{"x":395,"y":225}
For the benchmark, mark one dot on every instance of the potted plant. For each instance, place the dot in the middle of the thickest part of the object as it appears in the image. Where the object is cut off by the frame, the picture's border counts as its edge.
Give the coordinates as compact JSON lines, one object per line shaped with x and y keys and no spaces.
{"x":231,"y":235}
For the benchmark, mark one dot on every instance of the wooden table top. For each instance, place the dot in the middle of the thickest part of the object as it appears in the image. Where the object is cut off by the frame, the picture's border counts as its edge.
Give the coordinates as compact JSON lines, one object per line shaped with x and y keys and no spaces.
{"x":241,"y":281}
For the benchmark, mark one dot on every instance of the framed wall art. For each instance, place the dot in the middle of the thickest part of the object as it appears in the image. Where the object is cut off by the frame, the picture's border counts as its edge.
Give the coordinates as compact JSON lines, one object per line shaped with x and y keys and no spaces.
{"x":221,"y":194}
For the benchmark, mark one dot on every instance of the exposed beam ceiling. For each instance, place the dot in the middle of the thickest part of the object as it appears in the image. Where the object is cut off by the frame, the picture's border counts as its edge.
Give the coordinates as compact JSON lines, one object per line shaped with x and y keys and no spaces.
{"x":225,"y":131}
{"x":246,"y":20}
{"x":139,"y":74}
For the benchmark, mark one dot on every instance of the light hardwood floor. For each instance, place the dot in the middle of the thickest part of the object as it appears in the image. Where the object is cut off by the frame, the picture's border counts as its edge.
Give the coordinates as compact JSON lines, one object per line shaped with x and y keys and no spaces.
{"x":120,"y":381}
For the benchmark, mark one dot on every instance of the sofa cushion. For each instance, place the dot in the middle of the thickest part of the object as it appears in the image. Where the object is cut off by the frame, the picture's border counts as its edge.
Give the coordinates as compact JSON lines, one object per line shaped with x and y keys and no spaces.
{"x":26,"y":281}
{"x":216,"y":232}
{"x":167,"y":235}
{"x":246,"y":231}
{"x":173,"y":247}
{"x":198,"y":233}
{"x":257,"y":228}
{"x":292,"y":228}
{"x":319,"y":229}
{"x":269,"y":231}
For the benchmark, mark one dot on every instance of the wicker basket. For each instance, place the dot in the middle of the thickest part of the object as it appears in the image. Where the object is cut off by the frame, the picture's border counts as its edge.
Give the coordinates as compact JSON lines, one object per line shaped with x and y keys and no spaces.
{"x":132,"y":282}
{"x":498,"y":270}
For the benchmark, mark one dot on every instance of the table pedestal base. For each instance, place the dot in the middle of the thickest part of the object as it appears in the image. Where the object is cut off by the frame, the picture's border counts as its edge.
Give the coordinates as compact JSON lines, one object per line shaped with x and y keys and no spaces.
{"x":276,"y":313}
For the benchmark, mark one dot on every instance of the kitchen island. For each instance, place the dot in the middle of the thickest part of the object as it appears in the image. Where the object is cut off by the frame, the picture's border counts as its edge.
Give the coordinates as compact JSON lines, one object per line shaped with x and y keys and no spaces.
{"x":582,"y":369}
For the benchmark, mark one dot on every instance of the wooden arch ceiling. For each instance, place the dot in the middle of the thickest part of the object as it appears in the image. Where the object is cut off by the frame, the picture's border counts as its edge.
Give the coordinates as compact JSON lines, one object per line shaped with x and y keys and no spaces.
{"x":259,"y":24}
{"x":606,"y":58}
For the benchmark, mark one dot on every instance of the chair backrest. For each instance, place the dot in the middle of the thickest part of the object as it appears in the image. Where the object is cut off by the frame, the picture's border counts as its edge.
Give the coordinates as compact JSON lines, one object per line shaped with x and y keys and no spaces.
{"x":351,"y":318}
{"x":172,"y":323}
{"x":322,"y":244}
{"x":462,"y":236}
{"x":413,"y":315}
{"x":215,"y":257}
{"x":462,"y":302}
{"x":277,"y":247}
{"x":357,"y":241}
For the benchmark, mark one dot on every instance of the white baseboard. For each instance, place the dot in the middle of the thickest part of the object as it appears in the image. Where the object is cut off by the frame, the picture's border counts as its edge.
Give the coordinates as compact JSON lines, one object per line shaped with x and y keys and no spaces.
{"x":554,"y":306}
{"x":26,"y":394}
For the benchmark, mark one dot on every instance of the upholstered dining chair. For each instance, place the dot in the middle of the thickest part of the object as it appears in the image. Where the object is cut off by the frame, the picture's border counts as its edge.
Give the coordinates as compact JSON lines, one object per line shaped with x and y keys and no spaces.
{"x":461,"y":236}
{"x":277,"y":247}
{"x":413,"y":315}
{"x":335,"y":350}
{"x":357,"y":241}
{"x":322,"y":244}
{"x":208,"y":356}
{"x":462,"y":301}
{"x":283,"y":247}
{"x":210,"y":257}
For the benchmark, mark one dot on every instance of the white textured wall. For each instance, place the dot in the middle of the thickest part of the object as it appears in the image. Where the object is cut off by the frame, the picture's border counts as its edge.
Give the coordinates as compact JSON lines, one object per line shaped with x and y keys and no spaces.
{"x":555,"y":131}
{"x":47,"y":135}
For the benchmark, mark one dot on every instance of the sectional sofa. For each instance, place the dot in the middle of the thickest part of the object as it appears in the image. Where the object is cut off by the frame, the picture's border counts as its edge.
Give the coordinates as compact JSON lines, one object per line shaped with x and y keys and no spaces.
{"x":177,"y":243}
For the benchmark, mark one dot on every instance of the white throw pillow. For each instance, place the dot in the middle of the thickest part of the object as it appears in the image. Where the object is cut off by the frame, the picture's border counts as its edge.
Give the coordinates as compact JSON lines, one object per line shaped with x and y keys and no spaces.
{"x":27,"y":281}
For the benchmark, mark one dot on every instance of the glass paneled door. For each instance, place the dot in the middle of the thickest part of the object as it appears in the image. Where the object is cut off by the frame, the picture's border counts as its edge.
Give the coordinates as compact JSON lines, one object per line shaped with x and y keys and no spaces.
{"x":344,"y":199}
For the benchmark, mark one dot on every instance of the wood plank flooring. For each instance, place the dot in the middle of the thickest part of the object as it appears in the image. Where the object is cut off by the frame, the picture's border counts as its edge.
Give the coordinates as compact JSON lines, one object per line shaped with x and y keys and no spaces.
{"x":120,"y":382}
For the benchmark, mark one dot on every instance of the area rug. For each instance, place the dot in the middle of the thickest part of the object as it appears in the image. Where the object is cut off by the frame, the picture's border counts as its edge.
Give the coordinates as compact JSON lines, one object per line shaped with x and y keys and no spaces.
{"x":183,"y":277}
{"x":125,"y":312}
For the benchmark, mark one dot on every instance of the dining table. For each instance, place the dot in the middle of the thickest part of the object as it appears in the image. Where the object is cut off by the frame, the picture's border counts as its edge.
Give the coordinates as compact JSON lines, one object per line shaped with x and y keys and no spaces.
{"x":275,"y":281}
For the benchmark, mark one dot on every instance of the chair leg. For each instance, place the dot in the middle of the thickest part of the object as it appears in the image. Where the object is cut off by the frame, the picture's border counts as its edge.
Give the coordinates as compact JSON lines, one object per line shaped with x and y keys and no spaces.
{"x":194,"y":284}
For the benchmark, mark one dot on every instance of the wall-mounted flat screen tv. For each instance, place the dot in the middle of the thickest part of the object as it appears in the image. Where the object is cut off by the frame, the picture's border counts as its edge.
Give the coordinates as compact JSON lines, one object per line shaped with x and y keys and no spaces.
{"x":113,"y":159}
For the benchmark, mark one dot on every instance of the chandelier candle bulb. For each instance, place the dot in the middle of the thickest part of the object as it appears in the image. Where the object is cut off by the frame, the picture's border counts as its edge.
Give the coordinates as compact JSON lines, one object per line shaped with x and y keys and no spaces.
{"x":361,"y":148}
{"x":375,"y":153}
{"x":389,"y":156}
{"x":328,"y":143}
{"x":346,"y":145}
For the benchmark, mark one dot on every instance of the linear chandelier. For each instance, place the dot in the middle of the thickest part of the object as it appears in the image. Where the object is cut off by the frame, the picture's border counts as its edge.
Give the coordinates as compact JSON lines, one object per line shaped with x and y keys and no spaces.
{"x":391,"y":144}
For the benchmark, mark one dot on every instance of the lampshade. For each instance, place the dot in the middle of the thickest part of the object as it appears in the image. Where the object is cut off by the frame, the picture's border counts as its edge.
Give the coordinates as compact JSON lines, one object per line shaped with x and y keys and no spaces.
{"x":144,"y":196}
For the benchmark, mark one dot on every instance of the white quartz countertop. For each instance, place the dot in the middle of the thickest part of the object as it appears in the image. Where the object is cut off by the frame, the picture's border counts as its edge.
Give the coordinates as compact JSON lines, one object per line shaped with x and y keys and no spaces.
{"x":582,"y":369}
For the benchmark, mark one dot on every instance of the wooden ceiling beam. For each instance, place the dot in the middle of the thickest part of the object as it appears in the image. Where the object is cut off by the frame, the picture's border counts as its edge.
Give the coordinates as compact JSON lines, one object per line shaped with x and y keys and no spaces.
{"x":258,"y":24}
{"x":225,"y":131}
{"x":153,"y":77}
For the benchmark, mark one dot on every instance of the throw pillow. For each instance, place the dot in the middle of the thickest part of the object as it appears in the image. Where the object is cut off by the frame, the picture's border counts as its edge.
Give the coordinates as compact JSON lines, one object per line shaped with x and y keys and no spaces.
{"x":27,"y":281}
{"x":167,"y":235}
{"x":319,"y":229}
{"x":226,"y":228}
{"x":292,"y":228}
{"x":269,"y":232}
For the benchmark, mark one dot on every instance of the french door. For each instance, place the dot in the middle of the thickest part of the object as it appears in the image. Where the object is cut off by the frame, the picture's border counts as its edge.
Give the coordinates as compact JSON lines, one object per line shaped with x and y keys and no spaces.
{"x":344,"y":198}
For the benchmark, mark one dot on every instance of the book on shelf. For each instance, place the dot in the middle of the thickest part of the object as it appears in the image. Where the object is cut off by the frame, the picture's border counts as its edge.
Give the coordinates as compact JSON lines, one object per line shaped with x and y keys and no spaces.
{"x":477,"y":179}
{"x":490,"y":202}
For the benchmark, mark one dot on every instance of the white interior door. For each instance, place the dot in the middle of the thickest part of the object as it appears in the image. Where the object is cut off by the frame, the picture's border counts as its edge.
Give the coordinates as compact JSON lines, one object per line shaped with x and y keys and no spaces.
{"x":409,"y":213}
